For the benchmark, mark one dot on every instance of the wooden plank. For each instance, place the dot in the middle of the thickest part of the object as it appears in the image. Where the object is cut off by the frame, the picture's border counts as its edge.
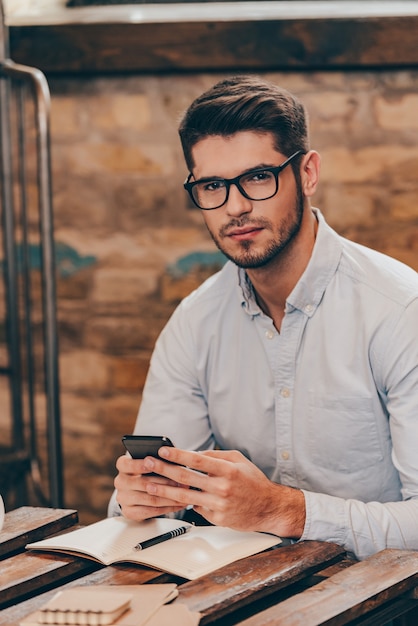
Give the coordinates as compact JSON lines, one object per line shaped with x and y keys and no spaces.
{"x":31,"y":573}
{"x":232,"y":45}
{"x":245,"y":582}
{"x":117,"y":575}
{"x":351,"y":593}
{"x":27,"y":524}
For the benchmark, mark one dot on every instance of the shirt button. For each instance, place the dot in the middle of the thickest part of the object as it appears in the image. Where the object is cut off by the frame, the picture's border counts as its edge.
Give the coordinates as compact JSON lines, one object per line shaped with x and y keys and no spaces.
{"x":285,"y":455}
{"x":285,"y":392}
{"x":269,"y":334}
{"x":308,"y":308}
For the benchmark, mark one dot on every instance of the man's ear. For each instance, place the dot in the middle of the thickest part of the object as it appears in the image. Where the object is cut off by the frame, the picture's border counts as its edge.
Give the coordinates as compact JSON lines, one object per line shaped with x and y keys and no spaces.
{"x":310,"y":168}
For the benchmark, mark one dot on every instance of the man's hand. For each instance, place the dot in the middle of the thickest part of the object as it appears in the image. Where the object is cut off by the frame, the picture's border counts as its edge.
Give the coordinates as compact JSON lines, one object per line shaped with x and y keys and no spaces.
{"x":132,"y":496}
{"x":227,"y":489}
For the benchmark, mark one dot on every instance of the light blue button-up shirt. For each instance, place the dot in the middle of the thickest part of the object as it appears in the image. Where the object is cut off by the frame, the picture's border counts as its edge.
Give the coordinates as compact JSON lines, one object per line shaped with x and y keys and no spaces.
{"x":328,"y":405}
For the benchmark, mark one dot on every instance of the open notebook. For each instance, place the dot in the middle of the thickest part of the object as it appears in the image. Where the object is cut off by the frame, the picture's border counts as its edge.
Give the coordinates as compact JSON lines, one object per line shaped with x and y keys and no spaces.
{"x":198,"y":552}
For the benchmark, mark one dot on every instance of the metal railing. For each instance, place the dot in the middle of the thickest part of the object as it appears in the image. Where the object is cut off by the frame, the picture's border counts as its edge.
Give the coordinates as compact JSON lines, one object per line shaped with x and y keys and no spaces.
{"x":24,"y":123}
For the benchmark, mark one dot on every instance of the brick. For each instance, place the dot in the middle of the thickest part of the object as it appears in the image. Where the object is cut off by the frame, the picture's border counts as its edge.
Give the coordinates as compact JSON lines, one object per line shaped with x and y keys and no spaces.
{"x":84,"y":370}
{"x":128,"y":373}
{"x":66,"y":118}
{"x":173,"y":290}
{"x":330,"y":105}
{"x":348,"y":206}
{"x":113,"y":112}
{"x":122,"y":335}
{"x":398,"y":113}
{"x":88,"y":210}
{"x":403,"y":173}
{"x":118,"y":415}
{"x":370,"y":164}
{"x":404,"y":206}
{"x":105,"y":157}
{"x":77,"y":286}
{"x":120,"y":286}
{"x":79,"y":416}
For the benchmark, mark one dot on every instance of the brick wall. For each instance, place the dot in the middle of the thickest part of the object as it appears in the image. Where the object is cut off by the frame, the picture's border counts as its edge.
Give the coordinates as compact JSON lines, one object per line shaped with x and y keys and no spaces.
{"x":130,"y":246}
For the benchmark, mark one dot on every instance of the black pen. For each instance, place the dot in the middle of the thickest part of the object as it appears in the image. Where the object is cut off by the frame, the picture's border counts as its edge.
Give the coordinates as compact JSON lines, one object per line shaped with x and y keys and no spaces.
{"x":160,"y":538}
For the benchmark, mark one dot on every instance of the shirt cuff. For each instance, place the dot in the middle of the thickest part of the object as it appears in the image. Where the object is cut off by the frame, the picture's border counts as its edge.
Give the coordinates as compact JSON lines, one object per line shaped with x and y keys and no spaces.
{"x":325,"y":518}
{"x":113,"y":509}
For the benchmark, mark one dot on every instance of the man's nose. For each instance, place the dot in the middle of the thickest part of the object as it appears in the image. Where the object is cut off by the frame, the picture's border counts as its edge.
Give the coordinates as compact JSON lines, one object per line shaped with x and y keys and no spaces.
{"x":237,"y":203}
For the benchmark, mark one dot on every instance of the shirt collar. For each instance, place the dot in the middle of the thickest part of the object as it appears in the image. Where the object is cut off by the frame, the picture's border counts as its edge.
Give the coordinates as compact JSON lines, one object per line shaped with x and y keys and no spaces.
{"x":246,"y":293}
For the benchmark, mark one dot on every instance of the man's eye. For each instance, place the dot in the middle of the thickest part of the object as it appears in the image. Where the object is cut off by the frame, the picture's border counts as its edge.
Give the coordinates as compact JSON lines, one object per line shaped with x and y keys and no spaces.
{"x":213,"y":185}
{"x":259,"y":177}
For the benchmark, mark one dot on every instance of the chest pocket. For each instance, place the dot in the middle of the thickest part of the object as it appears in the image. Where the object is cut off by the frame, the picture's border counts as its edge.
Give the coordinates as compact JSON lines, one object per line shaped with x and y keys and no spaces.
{"x":343,"y":433}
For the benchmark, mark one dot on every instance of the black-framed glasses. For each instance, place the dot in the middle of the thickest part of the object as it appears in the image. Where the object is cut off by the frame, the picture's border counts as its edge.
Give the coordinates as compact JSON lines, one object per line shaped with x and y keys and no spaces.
{"x":258,"y":184}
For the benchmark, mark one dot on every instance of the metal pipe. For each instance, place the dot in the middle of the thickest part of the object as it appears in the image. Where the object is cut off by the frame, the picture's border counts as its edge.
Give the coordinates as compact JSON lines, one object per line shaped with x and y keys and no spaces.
{"x":26,"y":296}
{"x":10,"y":261}
{"x":42,"y":111}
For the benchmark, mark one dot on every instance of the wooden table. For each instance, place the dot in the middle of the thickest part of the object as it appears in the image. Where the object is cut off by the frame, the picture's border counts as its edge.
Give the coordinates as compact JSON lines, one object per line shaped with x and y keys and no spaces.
{"x":305,"y":584}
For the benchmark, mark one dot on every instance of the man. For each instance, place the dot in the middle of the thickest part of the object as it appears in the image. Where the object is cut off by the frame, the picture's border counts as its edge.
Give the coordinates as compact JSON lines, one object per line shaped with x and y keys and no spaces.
{"x":289,"y":380}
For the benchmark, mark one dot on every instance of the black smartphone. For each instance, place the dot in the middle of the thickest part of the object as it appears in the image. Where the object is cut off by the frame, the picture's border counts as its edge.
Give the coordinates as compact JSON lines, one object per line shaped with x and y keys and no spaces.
{"x":140,"y":446}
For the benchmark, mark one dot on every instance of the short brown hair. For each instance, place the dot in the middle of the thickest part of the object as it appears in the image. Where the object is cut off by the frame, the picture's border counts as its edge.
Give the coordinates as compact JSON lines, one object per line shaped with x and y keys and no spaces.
{"x":245,"y":103}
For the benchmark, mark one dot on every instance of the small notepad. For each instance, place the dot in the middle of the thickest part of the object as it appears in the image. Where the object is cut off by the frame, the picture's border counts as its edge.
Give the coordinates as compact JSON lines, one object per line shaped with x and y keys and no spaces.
{"x":77,"y":605}
{"x":85,"y":606}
